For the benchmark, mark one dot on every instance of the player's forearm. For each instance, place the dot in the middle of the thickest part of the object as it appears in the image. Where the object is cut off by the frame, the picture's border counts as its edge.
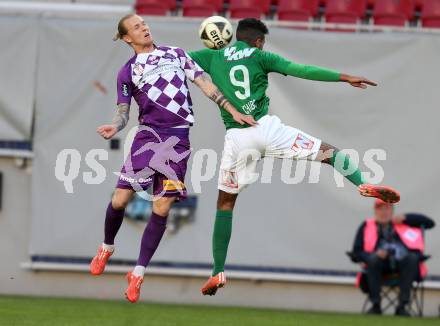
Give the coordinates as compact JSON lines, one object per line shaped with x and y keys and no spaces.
{"x":121,"y":116}
{"x":312,"y":72}
{"x":212,"y":92}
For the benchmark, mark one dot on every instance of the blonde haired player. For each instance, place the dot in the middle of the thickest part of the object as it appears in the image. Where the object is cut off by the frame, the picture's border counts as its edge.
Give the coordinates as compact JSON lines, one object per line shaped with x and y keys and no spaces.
{"x":156,"y":77}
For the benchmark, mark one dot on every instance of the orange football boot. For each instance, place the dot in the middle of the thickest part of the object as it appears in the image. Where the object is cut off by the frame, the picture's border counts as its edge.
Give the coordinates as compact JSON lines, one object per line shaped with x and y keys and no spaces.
{"x":387,"y":194}
{"x":214,"y":283}
{"x":97,"y":265}
{"x":133,"y":291}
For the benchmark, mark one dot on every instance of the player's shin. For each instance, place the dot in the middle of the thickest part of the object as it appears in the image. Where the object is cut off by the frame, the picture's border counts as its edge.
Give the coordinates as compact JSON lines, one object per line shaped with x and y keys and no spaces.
{"x":153,"y":233}
{"x":341,"y":162}
{"x":113,"y":222}
{"x":220,"y":239}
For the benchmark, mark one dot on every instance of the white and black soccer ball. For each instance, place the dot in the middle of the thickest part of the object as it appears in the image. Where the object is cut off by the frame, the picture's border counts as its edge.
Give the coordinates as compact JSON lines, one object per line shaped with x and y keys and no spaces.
{"x":216,"y":32}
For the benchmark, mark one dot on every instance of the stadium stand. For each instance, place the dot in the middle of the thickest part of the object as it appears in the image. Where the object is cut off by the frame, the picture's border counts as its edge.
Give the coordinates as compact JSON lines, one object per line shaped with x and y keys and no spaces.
{"x":431,"y":13}
{"x":198,"y":8}
{"x":419,"y":4}
{"x":345,"y":11}
{"x":297,"y":10}
{"x":154,"y":7}
{"x":363,"y":13}
{"x":393,"y":12}
{"x":105,"y":2}
{"x":246,"y":8}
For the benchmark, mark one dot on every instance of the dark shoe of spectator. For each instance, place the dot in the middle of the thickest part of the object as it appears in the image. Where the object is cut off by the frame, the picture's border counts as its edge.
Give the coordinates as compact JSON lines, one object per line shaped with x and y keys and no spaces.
{"x":402,"y":311}
{"x":375,"y":310}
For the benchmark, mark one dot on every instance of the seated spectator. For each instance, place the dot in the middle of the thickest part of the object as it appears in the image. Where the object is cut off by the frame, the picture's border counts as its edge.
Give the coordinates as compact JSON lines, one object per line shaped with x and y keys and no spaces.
{"x":391,"y":244}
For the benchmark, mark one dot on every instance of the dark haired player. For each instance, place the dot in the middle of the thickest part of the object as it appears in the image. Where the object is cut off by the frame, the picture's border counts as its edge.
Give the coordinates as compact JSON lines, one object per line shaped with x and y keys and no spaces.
{"x":241,"y":73}
{"x":156,"y":77}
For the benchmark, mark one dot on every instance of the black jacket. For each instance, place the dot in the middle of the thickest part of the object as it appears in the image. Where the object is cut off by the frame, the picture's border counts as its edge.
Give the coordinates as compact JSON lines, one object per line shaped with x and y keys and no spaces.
{"x":411,"y":219}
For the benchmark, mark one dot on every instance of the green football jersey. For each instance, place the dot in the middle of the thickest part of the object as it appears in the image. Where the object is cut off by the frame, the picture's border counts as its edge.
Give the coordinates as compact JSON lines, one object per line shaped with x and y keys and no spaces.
{"x":241,"y":74}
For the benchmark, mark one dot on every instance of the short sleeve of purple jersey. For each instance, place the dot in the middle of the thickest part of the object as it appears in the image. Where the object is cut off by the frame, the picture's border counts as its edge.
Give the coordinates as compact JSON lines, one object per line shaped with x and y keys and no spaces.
{"x":190,"y":67}
{"x":124,"y":85}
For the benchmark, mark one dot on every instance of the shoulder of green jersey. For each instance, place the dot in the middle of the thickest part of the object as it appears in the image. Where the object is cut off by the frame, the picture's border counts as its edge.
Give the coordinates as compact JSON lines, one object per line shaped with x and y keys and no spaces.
{"x":232,"y":54}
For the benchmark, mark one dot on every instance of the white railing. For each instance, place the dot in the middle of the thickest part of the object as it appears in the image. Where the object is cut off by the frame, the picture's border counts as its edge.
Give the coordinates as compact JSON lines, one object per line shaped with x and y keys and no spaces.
{"x":203,"y":273}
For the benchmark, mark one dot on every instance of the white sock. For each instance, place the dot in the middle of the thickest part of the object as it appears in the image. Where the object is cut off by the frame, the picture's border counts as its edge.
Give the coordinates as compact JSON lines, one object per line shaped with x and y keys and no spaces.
{"x":139,"y":271}
{"x":107,"y":247}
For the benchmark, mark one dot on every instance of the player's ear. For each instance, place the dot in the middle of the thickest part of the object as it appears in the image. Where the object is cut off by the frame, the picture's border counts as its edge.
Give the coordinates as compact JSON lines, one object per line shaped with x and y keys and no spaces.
{"x":259,"y":43}
{"x":127,"y":39}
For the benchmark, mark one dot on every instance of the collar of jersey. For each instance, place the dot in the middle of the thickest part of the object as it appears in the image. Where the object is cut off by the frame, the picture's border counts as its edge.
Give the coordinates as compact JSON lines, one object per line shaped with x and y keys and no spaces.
{"x":242,"y":43}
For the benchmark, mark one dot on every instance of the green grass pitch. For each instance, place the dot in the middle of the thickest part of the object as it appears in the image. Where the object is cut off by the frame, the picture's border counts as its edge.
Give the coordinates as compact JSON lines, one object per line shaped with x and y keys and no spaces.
{"x":24,"y":311}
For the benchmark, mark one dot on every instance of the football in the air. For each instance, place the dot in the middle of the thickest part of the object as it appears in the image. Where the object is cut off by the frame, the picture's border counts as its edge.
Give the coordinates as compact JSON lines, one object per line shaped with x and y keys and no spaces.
{"x":216,"y":32}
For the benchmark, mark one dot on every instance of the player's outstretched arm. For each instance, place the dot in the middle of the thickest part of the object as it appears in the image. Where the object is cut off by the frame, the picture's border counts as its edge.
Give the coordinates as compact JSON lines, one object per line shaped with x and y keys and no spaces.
{"x":275,"y":63}
{"x":211,"y":91}
{"x":118,"y":123}
{"x":324,"y":74}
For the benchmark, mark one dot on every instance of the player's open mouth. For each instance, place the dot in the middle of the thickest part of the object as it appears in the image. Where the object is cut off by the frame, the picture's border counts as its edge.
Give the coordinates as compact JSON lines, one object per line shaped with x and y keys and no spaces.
{"x":146,"y":35}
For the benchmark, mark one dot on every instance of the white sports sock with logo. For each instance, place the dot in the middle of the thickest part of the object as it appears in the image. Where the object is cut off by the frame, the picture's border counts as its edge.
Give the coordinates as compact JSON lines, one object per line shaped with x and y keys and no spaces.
{"x":139,"y":271}
{"x":107,"y":247}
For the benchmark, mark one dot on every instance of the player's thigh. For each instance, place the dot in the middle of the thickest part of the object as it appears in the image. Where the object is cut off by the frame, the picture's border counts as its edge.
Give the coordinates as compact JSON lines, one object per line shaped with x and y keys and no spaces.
{"x":285,"y":141}
{"x":121,"y":197}
{"x":241,"y":153}
{"x":162,"y":205}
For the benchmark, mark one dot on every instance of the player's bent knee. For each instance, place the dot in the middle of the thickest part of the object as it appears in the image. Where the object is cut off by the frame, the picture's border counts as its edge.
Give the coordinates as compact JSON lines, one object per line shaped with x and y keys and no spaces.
{"x":121,"y":198}
{"x":326,"y":152}
{"x":226,"y":201}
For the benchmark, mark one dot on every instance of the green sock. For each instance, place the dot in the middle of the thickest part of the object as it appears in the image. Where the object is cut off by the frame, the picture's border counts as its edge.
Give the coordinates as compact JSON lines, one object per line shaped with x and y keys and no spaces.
{"x":220,"y":239}
{"x":355,"y":177}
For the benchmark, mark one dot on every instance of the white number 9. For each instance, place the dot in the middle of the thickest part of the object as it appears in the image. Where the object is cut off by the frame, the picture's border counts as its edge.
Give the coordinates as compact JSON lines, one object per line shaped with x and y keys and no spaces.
{"x":241,"y":83}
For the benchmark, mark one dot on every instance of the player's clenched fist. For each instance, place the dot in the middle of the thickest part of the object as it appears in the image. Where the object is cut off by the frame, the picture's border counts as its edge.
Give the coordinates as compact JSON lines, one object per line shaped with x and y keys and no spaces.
{"x":107,"y":131}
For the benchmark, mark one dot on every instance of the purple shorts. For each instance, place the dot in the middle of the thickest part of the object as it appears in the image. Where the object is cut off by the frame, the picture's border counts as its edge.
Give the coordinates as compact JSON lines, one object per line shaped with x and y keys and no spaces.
{"x":157,"y":157}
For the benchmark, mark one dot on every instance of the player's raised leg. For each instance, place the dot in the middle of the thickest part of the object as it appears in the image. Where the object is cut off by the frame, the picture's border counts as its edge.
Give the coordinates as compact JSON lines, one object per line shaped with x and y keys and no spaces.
{"x":113,"y":221}
{"x":151,"y":238}
{"x":341,"y":162}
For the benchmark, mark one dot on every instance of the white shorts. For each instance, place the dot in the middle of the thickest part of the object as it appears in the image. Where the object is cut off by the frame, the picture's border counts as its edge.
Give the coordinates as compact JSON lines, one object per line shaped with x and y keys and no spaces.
{"x":243,"y":148}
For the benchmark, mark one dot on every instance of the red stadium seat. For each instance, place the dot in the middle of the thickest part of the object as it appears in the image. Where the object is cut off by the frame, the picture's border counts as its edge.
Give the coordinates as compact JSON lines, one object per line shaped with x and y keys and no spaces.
{"x":297,"y":10}
{"x":419,"y":4}
{"x":431,"y":14}
{"x":154,"y":7}
{"x":345,"y":11}
{"x":171,"y":4}
{"x":393,"y":12}
{"x":246,"y":8}
{"x":265,"y":5}
{"x":199,"y":8}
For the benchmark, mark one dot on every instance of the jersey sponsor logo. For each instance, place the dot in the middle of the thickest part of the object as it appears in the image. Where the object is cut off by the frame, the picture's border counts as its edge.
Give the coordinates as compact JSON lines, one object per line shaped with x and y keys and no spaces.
{"x":302,"y":142}
{"x":232,"y":54}
{"x":133,"y":180}
{"x":152,"y":75}
{"x":124,"y":89}
{"x":249,"y":107}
